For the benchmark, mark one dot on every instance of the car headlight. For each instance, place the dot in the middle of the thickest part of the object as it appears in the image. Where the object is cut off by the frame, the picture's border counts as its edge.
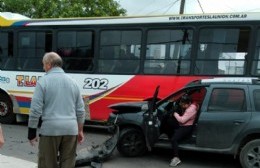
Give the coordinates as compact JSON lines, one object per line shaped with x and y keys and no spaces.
{"x":144,"y":107}
{"x":112,"y":119}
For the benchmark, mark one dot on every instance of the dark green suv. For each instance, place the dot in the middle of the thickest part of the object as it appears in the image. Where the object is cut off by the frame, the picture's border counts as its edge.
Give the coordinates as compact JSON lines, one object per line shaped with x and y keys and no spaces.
{"x":228,"y":120}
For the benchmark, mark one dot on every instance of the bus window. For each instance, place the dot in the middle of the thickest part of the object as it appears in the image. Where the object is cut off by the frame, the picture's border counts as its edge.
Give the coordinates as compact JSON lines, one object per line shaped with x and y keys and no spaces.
{"x":119,"y":51}
{"x":6,"y":50}
{"x":76,"y":50}
{"x":168,"y":52}
{"x":256,"y":60}
{"x":31,"y":48}
{"x":222,"y":51}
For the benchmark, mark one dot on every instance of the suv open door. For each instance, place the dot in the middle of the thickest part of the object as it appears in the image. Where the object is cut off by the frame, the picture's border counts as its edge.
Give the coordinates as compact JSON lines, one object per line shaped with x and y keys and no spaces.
{"x":151,"y":122}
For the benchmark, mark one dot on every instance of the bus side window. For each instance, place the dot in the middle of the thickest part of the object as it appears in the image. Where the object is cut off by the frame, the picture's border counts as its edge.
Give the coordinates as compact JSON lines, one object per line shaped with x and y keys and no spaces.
{"x":106,"y":63}
{"x":85,"y":54}
{"x":76,"y":49}
{"x":106,"y":66}
{"x":3,"y":49}
{"x":33,"y":63}
{"x":209,"y":65}
{"x":126,"y":62}
{"x":119,"y":53}
{"x":107,"y":53}
{"x":10,"y":63}
{"x":170,"y":67}
{"x":168,"y":51}
{"x":6,"y":51}
{"x":255,"y":69}
{"x":222,"y":51}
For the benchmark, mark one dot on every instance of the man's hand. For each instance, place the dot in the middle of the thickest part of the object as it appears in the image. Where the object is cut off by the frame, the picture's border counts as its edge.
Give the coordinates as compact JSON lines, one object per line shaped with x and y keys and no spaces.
{"x":33,"y":141}
{"x":32,"y":136}
{"x":80,"y":137}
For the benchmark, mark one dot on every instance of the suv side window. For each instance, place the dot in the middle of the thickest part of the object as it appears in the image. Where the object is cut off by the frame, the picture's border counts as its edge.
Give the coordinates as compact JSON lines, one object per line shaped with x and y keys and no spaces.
{"x":257,"y":99}
{"x":227,"y":100}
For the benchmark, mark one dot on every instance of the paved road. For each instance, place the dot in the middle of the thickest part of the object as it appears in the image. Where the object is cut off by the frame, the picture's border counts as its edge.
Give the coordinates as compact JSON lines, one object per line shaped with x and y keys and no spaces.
{"x":17,"y":146}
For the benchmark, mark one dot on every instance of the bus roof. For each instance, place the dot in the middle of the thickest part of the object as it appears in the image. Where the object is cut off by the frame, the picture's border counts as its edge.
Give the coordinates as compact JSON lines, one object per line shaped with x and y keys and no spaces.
{"x":8,"y":18}
{"x":131,"y":20}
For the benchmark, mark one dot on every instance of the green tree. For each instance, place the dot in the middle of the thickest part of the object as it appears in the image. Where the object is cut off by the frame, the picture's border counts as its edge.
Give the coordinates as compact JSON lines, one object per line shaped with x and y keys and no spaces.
{"x":62,"y":8}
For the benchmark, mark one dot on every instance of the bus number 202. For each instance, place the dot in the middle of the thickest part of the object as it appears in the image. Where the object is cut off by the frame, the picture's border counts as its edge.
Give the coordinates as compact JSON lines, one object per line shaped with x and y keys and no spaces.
{"x":95,"y":83}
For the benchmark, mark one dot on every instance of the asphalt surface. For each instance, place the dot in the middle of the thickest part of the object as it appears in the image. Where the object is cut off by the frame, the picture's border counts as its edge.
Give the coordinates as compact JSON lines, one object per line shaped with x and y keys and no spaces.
{"x":18,"y":153}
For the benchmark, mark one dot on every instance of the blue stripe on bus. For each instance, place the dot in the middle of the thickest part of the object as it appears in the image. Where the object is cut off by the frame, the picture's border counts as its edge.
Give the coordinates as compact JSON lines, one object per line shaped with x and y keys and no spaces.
{"x":24,"y":104}
{"x":20,"y":23}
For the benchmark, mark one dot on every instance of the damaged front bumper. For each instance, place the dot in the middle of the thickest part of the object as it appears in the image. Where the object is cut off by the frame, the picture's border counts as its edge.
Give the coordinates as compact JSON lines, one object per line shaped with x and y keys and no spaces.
{"x":96,"y":155}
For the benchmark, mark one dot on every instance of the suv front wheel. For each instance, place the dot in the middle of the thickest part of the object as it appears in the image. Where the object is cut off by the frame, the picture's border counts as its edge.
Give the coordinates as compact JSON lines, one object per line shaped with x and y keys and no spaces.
{"x":250,"y":154}
{"x":131,"y":142}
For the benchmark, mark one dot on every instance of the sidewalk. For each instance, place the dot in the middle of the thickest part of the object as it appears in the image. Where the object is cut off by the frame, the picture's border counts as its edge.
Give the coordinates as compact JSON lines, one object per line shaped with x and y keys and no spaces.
{"x":11,"y":162}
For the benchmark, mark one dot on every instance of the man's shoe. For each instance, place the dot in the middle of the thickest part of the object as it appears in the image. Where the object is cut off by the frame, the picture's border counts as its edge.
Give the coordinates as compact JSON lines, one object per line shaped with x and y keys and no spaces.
{"x":175,"y":161}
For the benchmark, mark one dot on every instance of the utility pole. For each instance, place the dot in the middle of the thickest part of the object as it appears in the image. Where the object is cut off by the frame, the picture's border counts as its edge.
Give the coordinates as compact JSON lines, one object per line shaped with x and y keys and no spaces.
{"x":182,"y":6}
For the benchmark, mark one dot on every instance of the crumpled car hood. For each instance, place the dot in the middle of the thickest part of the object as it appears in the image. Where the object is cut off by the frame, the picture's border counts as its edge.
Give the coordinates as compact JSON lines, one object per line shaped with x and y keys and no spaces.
{"x":129,"y":107}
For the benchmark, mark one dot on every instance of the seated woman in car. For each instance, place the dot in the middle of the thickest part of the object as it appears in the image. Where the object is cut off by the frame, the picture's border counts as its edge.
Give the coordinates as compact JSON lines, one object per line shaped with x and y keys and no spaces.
{"x":184,"y":125}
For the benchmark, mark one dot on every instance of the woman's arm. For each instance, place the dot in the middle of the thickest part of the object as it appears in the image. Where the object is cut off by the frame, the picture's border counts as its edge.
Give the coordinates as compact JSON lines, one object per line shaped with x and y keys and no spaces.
{"x":189,"y":114}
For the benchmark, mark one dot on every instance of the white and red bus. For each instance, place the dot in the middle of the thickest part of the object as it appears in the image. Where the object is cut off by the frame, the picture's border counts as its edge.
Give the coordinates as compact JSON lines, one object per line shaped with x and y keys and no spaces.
{"x":117,"y":59}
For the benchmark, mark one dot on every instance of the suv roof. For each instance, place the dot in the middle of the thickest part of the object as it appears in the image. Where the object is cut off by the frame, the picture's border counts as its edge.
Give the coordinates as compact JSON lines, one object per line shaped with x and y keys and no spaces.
{"x":227,"y":80}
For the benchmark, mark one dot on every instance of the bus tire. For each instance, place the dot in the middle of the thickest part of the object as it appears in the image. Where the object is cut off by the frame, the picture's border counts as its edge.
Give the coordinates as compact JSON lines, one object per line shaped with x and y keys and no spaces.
{"x":7,"y":115}
{"x":131,"y":142}
{"x":249,"y":155}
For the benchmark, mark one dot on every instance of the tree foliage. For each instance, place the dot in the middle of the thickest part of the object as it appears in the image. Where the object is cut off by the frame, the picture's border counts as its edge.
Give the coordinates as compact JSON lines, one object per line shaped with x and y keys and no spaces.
{"x":62,"y":8}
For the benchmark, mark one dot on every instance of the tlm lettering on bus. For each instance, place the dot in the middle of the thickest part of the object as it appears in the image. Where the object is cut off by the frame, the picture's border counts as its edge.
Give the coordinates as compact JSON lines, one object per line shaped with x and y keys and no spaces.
{"x":27,"y":81}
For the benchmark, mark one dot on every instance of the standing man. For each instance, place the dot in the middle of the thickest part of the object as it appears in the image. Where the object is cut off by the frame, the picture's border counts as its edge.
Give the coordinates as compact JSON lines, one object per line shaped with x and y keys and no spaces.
{"x":58,"y":102}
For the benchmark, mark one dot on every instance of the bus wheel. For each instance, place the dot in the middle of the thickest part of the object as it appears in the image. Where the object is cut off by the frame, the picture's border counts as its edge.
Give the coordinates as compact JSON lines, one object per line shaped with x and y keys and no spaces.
{"x":131,"y":143}
{"x":249,"y":155}
{"x":6,"y":111}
